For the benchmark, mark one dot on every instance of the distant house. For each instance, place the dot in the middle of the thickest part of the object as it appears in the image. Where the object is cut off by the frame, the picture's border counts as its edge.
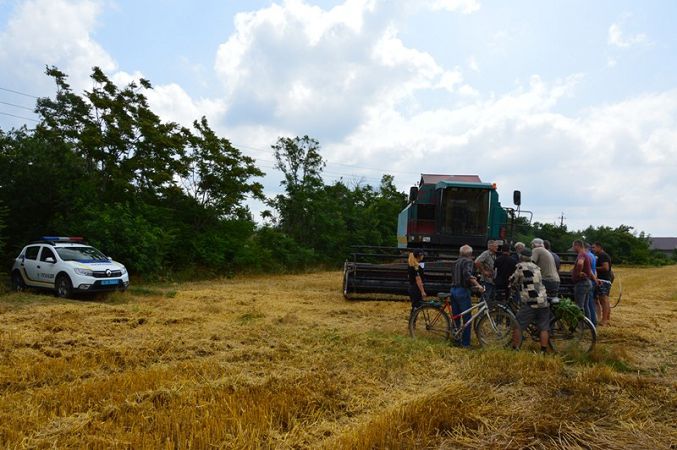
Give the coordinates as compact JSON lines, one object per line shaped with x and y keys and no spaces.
{"x":665,"y":245}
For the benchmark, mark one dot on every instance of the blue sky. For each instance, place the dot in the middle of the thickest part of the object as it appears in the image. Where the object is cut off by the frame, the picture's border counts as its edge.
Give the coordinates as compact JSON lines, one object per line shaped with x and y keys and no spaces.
{"x":574,"y":103}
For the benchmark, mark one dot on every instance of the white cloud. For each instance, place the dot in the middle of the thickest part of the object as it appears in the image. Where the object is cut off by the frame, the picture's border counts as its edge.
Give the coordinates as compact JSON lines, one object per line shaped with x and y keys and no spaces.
{"x":345,"y":76}
{"x":468,"y":91}
{"x":363,"y":91}
{"x":472,"y":64}
{"x":59,"y":33}
{"x":464,"y":6}
{"x":303,"y":68}
{"x":618,"y":38}
{"x":52,"y":32}
{"x":612,"y":164}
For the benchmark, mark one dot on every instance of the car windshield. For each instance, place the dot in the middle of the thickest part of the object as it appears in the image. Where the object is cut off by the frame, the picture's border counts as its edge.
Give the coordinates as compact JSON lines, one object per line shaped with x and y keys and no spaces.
{"x":81,"y":254}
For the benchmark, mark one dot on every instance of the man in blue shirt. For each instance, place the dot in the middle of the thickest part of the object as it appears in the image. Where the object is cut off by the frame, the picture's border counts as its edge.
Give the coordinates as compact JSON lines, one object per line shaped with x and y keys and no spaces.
{"x":590,"y":310}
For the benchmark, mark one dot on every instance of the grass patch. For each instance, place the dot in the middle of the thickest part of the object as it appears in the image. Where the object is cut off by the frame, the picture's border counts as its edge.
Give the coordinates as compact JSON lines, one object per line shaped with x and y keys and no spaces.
{"x":145,"y":291}
{"x":250,"y":316}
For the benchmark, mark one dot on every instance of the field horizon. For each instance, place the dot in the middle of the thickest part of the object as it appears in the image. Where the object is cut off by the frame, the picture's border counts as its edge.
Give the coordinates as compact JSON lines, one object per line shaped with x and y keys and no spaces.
{"x":286,"y":362}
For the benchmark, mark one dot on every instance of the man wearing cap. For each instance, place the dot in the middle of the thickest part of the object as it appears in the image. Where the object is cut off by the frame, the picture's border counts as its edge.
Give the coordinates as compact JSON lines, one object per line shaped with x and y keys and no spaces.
{"x":528,"y":282}
{"x":544,"y":260}
{"x":485,"y":266}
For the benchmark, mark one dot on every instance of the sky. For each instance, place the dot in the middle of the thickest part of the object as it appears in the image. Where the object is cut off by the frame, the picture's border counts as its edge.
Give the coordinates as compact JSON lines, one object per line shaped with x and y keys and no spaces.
{"x":573,"y":103}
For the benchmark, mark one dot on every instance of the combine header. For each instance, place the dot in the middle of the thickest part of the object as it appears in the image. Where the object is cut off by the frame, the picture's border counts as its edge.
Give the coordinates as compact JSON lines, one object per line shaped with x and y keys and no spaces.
{"x":444,"y":212}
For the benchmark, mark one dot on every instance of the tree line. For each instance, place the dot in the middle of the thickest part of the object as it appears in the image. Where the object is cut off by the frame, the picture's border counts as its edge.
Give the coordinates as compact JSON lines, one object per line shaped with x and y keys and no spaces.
{"x":623,"y":244}
{"x":170,"y":200}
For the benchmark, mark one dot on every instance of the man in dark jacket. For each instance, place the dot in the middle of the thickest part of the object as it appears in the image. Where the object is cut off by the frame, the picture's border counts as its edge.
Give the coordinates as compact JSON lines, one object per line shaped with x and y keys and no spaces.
{"x":505,"y":266}
{"x":463,"y":281}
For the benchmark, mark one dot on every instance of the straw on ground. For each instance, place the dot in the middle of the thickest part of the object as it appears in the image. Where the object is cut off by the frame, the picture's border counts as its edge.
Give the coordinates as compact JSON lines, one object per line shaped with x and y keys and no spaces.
{"x":286,"y":362}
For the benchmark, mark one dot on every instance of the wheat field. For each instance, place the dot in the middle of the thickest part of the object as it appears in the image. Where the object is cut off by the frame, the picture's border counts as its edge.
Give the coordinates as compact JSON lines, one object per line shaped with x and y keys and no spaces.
{"x":286,"y":362}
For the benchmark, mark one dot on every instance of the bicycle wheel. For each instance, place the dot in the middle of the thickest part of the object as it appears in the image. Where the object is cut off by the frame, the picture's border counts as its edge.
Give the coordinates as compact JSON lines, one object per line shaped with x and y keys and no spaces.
{"x":430,"y":322}
{"x":577,"y":339}
{"x":494,"y":328}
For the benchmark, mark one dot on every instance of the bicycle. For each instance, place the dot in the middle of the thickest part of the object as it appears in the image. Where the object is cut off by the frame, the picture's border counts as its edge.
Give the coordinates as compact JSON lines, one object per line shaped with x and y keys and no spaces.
{"x":435,"y":321}
{"x":569,"y":333}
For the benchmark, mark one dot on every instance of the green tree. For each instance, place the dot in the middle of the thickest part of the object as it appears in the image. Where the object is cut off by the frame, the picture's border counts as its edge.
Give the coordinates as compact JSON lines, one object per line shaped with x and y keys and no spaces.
{"x":301,"y":165}
{"x":104,"y":165}
{"x":114,"y":130}
{"x":3,"y":218}
{"x":48,"y":182}
{"x":219,"y":175}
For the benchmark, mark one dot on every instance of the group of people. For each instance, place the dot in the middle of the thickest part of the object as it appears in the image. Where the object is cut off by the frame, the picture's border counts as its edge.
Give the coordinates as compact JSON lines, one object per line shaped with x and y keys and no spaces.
{"x":532,"y":275}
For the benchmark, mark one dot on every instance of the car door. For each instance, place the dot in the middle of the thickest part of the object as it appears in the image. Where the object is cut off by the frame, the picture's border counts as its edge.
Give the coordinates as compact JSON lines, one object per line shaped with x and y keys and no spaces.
{"x":30,"y":265}
{"x":47,"y":268}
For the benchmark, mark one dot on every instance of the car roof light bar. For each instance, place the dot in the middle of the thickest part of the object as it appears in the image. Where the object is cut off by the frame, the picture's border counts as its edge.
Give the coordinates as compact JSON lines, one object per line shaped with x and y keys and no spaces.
{"x":63,"y":238}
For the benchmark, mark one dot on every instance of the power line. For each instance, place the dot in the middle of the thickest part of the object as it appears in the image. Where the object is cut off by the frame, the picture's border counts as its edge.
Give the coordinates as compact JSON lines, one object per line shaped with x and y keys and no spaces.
{"x":248,"y":147}
{"x":17,"y":106}
{"x":334,"y":175}
{"x":18,"y":92}
{"x":18,"y":117}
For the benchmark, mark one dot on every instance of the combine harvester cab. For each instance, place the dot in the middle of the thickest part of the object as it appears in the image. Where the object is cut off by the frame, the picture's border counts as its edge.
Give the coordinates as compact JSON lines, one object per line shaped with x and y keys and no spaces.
{"x":444,"y":213}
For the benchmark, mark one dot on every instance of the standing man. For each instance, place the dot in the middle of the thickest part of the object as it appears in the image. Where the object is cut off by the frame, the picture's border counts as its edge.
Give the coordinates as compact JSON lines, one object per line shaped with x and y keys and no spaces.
{"x":603,"y":284}
{"x":535,"y":308}
{"x":463,"y":281}
{"x":505,"y":266}
{"x":485,"y":266}
{"x":581,"y":275}
{"x":558,"y":261}
{"x":593,"y":284}
{"x":519,"y":246}
{"x":544,"y":260}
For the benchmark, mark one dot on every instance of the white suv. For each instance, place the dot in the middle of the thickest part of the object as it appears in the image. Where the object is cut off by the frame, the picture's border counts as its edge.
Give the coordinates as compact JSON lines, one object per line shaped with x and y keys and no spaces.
{"x":67,"y":266}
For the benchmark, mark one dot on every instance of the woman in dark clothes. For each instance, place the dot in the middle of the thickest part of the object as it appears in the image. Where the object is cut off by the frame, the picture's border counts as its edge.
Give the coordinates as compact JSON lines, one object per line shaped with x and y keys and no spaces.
{"x":415,"y":274}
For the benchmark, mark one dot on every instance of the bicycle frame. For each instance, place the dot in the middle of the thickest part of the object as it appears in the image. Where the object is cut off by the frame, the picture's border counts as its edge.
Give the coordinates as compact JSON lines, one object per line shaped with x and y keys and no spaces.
{"x":482,"y":309}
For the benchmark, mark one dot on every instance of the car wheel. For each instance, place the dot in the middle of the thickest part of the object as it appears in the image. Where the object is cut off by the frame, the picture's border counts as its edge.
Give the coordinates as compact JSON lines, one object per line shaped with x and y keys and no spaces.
{"x":64,"y":287}
{"x":18,"y":284}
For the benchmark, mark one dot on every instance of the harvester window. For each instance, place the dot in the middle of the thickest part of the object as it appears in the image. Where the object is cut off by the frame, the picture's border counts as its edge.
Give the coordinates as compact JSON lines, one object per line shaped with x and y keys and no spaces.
{"x":426,"y":212}
{"x":465,"y":211}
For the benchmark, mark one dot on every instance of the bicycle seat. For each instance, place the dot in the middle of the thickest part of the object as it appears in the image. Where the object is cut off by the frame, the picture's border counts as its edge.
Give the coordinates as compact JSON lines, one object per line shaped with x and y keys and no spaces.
{"x":443,"y":295}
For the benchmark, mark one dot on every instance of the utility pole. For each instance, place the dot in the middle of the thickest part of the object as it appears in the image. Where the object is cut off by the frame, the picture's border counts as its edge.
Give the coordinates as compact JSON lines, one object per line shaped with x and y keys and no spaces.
{"x":561,"y":220}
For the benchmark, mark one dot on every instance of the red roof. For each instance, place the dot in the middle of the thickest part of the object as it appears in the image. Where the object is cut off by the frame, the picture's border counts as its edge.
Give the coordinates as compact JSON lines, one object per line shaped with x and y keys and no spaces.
{"x":428,"y":178}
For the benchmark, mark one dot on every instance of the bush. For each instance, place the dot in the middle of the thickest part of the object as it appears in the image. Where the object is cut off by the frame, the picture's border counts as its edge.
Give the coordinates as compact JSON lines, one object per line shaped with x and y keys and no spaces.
{"x":126,"y":232}
{"x":270,"y":250}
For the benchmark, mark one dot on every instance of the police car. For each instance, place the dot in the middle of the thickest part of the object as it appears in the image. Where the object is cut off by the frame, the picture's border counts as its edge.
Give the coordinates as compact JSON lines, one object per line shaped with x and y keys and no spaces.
{"x":67,"y":265}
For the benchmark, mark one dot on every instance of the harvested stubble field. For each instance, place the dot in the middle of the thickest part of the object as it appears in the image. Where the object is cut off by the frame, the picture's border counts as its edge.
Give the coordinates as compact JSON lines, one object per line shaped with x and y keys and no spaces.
{"x":286,"y":362}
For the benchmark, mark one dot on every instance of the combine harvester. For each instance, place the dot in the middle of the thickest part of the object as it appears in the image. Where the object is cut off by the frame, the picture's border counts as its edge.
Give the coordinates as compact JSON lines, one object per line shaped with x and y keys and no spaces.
{"x":444,"y":212}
